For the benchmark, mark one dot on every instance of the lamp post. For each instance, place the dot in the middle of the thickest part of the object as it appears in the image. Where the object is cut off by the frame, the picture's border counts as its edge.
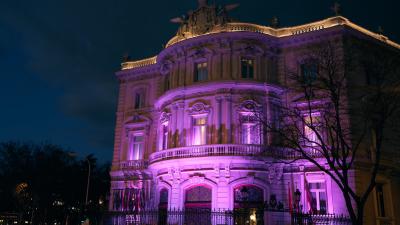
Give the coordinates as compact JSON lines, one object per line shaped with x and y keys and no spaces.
{"x":88,"y":183}
{"x":73,"y":154}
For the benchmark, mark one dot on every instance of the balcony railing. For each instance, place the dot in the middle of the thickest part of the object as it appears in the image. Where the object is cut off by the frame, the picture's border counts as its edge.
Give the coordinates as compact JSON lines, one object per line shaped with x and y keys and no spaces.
{"x":134,"y":165}
{"x":226,"y":150}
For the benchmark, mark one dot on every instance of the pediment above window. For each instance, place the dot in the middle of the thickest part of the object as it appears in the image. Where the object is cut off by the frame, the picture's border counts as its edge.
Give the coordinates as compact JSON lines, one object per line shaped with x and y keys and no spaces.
{"x":199,"y":108}
{"x":200,"y":52}
{"x":249,"y":106}
{"x":137,"y":122}
{"x":250,"y":50}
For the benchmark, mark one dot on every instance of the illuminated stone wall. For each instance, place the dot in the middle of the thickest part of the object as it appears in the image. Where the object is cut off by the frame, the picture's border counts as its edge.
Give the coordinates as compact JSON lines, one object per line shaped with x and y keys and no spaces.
{"x":179,"y":127}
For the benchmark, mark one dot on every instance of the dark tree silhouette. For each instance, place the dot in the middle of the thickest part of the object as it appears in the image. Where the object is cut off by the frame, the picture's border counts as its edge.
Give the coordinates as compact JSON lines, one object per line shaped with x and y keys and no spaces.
{"x":44,"y":183}
{"x":340,"y":113}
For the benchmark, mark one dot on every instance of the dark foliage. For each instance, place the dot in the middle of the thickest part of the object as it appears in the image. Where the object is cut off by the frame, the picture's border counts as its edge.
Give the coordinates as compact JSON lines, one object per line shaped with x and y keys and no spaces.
{"x":45,"y":183}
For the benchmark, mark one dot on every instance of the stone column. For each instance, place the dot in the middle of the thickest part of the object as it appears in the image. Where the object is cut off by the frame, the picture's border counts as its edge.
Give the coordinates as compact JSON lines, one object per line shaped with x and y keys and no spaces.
{"x":174,"y":126}
{"x":180,"y":119}
{"x":218,"y":120}
{"x":228,"y":118}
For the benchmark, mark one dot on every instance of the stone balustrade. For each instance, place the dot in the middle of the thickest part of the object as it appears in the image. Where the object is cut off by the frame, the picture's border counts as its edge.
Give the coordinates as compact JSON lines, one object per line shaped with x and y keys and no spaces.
{"x":227,"y":150}
{"x":134,"y":165}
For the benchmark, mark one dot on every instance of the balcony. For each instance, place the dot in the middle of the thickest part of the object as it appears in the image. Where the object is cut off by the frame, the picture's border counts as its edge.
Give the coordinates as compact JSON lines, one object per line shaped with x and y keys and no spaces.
{"x":226,"y":150}
{"x":134,"y":165}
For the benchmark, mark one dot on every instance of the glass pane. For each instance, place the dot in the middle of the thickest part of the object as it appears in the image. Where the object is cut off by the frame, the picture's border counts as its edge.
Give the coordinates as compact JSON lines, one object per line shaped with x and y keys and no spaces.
{"x":137,"y":139}
{"x":164,"y":196}
{"x":201,"y":72}
{"x":322,"y":202}
{"x":314,"y":201}
{"x":198,"y":194}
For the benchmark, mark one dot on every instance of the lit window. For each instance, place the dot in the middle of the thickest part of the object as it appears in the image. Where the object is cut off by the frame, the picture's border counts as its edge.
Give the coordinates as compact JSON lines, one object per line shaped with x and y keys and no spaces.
{"x":247,"y":68}
{"x":201,"y":72}
{"x":137,"y":147}
{"x":309,"y":72}
{"x":380,"y":200}
{"x":312,"y":124}
{"x":250,"y":129}
{"x":139,"y":100}
{"x":164,"y":136}
{"x":199,"y":130}
{"x":318,"y":197}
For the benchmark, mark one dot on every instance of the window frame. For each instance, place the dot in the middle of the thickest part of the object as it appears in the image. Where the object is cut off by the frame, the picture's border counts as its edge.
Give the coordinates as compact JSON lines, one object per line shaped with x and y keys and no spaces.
{"x":200,"y":66}
{"x":202,"y":132}
{"x":132,"y":155}
{"x":249,"y":67}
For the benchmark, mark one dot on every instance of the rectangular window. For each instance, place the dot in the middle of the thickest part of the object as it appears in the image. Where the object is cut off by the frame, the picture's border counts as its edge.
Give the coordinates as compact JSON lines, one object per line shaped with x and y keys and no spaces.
{"x":201,"y":72}
{"x":380,"y":200}
{"x":312,"y":125}
{"x":250,"y":133}
{"x":199,"y":130}
{"x":139,"y":100}
{"x":247,"y":68}
{"x":309,"y":72}
{"x":318,"y":197}
{"x":137,"y":147}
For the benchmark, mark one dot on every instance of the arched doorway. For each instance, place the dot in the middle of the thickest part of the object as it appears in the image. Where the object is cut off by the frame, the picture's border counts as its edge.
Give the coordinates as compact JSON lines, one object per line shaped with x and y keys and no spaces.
{"x":248,"y":205}
{"x":198,"y":205}
{"x":163,"y":207}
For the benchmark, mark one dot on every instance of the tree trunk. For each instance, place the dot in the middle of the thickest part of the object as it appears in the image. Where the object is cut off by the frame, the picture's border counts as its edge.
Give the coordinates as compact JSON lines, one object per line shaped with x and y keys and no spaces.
{"x":360,"y":214}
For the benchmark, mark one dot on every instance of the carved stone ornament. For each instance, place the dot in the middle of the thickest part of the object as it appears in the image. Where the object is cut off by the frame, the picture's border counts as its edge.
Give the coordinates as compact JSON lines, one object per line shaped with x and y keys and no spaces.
{"x":165,"y":117}
{"x":204,"y":19}
{"x":250,"y":106}
{"x":199,"y":108}
{"x":165,"y":67}
{"x":275,"y":173}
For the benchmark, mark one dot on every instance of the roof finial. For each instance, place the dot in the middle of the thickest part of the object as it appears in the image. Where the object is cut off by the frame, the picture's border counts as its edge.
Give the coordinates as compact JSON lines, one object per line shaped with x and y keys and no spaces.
{"x":336,"y":8}
{"x":274,"y":22}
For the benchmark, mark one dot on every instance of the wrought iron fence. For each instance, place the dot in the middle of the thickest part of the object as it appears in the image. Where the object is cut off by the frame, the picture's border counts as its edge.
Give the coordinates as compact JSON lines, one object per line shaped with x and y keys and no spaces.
{"x":220,"y":217}
{"x":319,"y":219}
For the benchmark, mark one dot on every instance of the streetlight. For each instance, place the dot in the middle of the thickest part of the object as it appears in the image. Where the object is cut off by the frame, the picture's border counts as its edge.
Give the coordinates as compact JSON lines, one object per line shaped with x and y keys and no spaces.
{"x":73,"y":154}
{"x":88,"y":183}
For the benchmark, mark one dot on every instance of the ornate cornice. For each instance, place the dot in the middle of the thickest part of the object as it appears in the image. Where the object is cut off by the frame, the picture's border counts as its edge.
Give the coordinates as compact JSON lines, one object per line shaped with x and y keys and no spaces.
{"x":337,"y":21}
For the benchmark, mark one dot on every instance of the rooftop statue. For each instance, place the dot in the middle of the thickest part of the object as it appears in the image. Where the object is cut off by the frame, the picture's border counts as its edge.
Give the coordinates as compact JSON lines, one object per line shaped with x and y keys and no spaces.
{"x":203,"y":19}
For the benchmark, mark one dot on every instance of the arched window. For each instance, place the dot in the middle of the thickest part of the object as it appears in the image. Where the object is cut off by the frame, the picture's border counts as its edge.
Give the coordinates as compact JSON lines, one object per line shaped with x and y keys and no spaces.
{"x":248,"y":195}
{"x":163,"y":198}
{"x":198,"y":197}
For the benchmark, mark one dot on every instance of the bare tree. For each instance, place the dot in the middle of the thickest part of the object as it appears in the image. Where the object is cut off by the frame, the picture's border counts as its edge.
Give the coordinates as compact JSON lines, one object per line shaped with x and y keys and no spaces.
{"x":340,"y":108}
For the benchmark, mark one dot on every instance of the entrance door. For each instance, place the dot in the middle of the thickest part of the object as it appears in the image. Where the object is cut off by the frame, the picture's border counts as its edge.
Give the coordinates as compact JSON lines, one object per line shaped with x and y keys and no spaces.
{"x":248,"y":205}
{"x":198,"y":205}
{"x":163,"y":207}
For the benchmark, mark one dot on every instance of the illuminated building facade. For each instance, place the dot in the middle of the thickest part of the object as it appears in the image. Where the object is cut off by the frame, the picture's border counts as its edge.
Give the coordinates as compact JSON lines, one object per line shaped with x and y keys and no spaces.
{"x":186,"y":135}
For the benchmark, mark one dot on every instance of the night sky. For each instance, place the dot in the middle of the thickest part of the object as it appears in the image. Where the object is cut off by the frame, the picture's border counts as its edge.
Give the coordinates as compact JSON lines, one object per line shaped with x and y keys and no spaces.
{"x":58,"y":57}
